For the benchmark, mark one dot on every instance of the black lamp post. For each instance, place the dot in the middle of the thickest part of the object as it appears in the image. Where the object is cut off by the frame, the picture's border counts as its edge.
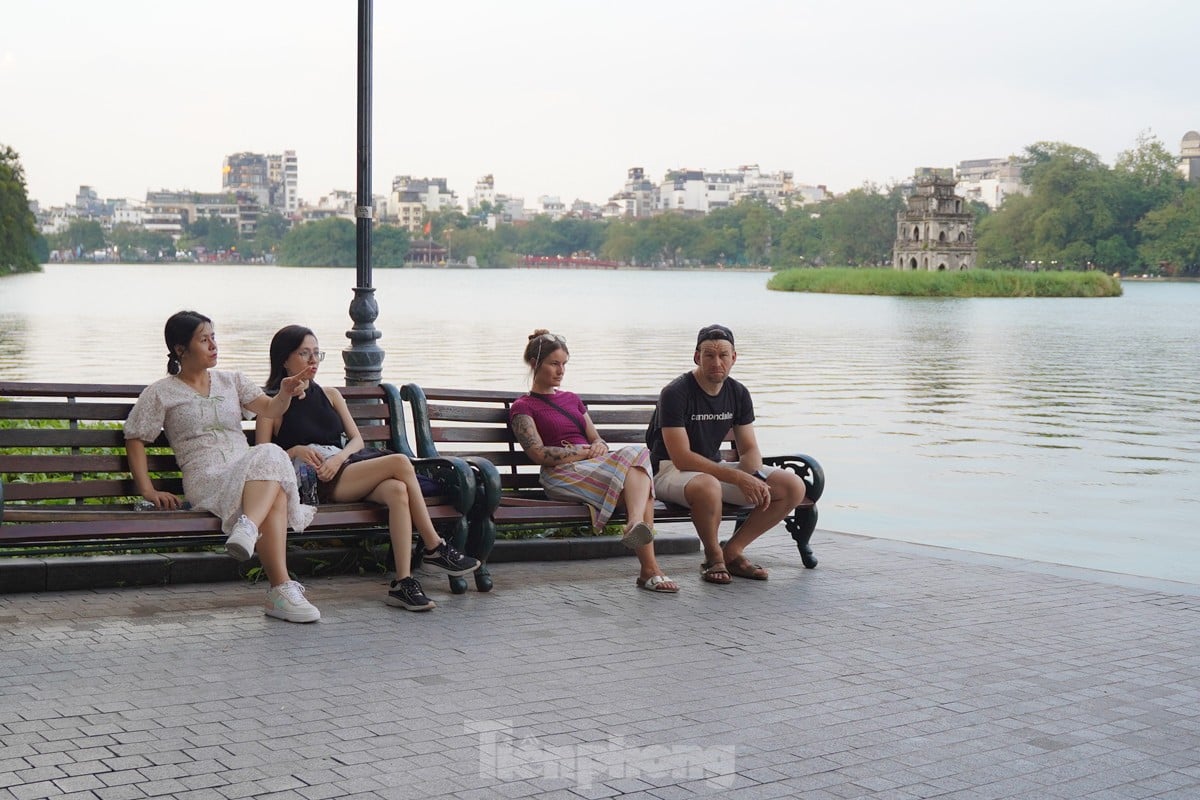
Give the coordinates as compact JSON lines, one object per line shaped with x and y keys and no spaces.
{"x":363,"y":358}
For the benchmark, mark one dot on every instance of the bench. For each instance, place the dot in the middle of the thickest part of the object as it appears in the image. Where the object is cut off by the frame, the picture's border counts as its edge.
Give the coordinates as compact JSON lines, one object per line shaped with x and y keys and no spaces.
{"x":474,"y":424}
{"x":65,"y":482}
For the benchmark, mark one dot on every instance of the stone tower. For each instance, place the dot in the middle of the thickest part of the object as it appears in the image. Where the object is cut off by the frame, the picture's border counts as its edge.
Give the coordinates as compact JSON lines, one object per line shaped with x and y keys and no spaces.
{"x":937,"y":230}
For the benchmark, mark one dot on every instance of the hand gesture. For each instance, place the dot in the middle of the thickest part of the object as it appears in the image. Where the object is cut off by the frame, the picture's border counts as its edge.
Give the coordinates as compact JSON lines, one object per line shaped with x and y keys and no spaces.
{"x":308,"y":455}
{"x":296,"y":385}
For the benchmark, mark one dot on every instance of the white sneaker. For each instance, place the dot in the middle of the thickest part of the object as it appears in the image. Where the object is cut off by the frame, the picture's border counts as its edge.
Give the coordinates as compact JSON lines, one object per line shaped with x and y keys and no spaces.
{"x":240,"y":543}
{"x":286,"y":601}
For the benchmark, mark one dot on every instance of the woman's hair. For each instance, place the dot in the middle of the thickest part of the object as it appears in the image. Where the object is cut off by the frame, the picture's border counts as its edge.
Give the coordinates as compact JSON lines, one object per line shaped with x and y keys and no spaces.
{"x":178,"y":332}
{"x":541,"y":344}
{"x":285,"y":342}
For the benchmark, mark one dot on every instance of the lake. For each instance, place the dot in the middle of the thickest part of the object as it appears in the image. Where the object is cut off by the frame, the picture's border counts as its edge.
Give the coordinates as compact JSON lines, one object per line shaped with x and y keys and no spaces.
{"x":1059,"y":430}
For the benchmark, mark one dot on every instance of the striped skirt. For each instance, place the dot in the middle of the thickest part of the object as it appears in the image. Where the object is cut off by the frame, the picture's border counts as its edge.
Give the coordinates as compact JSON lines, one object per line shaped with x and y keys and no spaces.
{"x":597,"y":481}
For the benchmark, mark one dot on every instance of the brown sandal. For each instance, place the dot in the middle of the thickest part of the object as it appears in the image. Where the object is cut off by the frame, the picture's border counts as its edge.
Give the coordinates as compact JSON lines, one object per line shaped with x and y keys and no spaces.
{"x":742,"y":568}
{"x":711,"y":572}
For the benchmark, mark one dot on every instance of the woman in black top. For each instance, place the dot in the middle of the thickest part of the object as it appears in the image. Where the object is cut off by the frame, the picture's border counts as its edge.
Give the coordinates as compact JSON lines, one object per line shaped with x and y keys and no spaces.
{"x":313,"y":432}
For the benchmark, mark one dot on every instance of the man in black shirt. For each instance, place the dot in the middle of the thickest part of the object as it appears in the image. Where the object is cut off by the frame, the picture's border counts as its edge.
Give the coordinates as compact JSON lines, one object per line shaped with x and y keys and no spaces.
{"x":695,"y":412}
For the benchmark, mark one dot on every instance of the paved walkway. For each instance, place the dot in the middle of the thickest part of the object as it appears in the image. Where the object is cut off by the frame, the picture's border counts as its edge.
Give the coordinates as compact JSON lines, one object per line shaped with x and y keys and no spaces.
{"x":890,"y":671}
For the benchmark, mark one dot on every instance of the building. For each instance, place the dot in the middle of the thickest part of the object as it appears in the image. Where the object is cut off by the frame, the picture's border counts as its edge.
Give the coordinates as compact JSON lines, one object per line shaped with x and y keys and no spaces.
{"x":432,"y":192}
{"x":247,"y":172}
{"x":552,"y":207}
{"x":638,"y":198}
{"x":171,"y":211}
{"x":937,"y":230}
{"x":1189,"y":156}
{"x":283,"y":175}
{"x":272,"y":179}
{"x":991,"y":180}
{"x":684,"y":191}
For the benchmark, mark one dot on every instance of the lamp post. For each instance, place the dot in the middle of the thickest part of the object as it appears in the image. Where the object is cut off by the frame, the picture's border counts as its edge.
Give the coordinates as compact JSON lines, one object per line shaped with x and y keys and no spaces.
{"x":363,"y":358}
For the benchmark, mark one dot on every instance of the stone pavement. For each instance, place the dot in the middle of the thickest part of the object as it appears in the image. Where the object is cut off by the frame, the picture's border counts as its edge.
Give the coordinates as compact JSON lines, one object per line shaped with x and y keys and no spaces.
{"x":890,"y":671}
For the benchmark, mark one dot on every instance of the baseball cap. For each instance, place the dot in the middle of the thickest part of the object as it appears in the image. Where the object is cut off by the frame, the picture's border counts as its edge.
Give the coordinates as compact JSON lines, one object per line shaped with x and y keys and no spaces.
{"x":714,"y":333}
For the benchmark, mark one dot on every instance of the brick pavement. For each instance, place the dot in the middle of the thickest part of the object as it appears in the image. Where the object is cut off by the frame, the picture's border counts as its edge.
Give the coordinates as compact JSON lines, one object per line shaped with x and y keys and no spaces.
{"x":890,"y":671}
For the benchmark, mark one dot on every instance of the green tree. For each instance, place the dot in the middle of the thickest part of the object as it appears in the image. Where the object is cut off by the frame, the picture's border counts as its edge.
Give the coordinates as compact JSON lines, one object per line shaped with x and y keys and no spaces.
{"x":212,"y":233}
{"x":324,"y":243}
{"x":1171,"y":235}
{"x":268,"y":233}
{"x":18,"y":231}
{"x":82,"y":236}
{"x":389,"y":245}
{"x":859,"y":227}
{"x":134,"y":243}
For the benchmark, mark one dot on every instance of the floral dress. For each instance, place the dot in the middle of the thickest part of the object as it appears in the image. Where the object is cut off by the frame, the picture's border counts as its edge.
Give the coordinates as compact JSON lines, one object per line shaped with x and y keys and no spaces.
{"x":207,"y":437}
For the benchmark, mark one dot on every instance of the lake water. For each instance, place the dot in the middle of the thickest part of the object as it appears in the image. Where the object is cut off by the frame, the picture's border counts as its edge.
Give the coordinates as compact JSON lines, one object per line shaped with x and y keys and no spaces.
{"x":1059,"y":430}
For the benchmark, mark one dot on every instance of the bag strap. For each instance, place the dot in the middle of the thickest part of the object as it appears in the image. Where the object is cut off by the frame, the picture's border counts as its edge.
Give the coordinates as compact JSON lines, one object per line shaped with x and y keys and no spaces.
{"x":578,"y":424}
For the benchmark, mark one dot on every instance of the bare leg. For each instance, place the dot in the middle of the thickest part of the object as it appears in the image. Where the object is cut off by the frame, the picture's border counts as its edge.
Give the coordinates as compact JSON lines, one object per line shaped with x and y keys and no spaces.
{"x":703,"y":494}
{"x":360,"y":480}
{"x":265,"y":504}
{"x":394,"y":495}
{"x":787,"y":492}
{"x":636,"y":495}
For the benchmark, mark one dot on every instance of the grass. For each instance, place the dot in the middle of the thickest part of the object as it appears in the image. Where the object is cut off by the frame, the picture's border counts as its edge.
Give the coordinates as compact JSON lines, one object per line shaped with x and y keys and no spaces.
{"x":969,"y":283}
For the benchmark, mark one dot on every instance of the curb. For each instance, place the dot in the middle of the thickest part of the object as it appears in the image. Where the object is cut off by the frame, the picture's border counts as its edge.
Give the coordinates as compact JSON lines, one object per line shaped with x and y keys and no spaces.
{"x":74,"y":573}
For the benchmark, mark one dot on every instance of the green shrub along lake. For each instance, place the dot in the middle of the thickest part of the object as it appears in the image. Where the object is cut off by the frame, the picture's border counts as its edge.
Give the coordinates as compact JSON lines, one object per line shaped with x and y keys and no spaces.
{"x":1064,"y":430}
{"x":969,"y":283}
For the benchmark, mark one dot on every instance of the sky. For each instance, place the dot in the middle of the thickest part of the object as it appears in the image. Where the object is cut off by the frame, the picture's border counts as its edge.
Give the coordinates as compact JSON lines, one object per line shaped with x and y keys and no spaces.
{"x":555,"y":97}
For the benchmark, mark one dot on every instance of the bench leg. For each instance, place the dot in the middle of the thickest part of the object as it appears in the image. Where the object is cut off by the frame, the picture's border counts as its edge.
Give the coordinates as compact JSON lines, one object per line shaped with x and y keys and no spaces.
{"x":481,"y":537}
{"x":801,"y":525}
{"x":458,"y":540}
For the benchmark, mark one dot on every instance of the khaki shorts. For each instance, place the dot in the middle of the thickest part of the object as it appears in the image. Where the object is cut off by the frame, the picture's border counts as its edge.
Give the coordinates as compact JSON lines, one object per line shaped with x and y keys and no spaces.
{"x":670,"y":483}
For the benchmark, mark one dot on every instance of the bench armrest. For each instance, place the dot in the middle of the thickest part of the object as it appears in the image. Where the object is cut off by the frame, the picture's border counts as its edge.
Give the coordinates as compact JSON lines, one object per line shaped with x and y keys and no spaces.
{"x":415,"y":397}
{"x":807,"y":467}
{"x":456,"y":477}
{"x":487,"y":483}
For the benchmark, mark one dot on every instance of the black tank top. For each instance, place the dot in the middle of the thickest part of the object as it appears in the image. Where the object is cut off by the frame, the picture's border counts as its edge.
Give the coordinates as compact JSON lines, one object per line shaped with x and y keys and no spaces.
{"x":312,"y":420}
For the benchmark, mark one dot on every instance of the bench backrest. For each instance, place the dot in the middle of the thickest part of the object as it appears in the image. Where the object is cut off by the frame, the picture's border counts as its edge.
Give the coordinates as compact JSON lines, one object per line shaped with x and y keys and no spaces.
{"x":475,"y":422}
{"x":64,"y":442}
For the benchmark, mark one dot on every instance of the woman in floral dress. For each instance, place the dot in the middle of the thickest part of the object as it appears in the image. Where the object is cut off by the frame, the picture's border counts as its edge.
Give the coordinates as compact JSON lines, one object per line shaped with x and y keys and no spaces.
{"x":251,"y":489}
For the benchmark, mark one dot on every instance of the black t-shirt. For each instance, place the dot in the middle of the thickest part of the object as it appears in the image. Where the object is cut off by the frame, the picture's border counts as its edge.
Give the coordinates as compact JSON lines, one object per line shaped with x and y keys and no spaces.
{"x":312,"y":420}
{"x":707,"y":418}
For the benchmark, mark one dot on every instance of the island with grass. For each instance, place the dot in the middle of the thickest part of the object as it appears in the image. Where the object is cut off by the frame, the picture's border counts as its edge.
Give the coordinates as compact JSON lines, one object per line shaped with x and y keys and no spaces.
{"x":964,"y":283}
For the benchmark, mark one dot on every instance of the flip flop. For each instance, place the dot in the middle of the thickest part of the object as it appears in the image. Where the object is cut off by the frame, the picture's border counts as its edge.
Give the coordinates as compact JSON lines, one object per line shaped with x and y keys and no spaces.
{"x":742,"y":568}
{"x":655,"y":584}
{"x":709,"y":572}
{"x":638,"y":535}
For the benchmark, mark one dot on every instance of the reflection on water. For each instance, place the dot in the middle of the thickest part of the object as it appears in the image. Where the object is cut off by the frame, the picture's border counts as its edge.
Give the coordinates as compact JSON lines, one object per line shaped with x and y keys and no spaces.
{"x":1060,"y":430}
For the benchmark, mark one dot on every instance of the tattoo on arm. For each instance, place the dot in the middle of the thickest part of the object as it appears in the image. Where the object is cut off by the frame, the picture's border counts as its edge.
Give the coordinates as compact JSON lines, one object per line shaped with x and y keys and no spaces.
{"x":527,"y":436}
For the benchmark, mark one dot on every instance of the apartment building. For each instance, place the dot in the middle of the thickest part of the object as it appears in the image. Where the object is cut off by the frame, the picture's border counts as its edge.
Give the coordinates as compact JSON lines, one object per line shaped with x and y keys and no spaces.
{"x":990,"y":180}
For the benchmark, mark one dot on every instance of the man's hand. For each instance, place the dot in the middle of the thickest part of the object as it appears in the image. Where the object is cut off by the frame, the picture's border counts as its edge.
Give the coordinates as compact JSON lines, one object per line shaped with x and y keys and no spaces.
{"x":757,"y":490}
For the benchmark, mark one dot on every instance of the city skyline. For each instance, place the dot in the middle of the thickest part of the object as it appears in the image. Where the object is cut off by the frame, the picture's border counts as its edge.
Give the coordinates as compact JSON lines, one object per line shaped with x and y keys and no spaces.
{"x":559,"y":100}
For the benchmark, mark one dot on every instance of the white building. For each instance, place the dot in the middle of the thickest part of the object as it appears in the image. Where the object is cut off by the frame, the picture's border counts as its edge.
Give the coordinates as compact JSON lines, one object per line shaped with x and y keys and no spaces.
{"x":432,"y":191}
{"x":552,"y":206}
{"x":637,"y":198}
{"x":990,"y":180}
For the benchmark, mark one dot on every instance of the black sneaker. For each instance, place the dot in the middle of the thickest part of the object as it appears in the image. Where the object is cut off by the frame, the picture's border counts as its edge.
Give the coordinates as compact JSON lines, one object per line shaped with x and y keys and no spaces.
{"x":406,"y":593}
{"x":449,"y":560}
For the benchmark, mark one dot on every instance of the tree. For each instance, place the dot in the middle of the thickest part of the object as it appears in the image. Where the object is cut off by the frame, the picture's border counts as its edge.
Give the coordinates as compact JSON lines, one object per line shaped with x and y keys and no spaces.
{"x":389,"y":245}
{"x":18,"y":231}
{"x":134,"y":243}
{"x":81,"y":236}
{"x":860,"y":226}
{"x":1171,"y":235}
{"x":324,"y":243}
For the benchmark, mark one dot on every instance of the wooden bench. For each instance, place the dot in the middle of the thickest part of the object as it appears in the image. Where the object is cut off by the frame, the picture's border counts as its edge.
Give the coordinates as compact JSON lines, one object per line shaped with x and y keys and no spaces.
{"x":474,"y":424}
{"x":65,"y":482}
